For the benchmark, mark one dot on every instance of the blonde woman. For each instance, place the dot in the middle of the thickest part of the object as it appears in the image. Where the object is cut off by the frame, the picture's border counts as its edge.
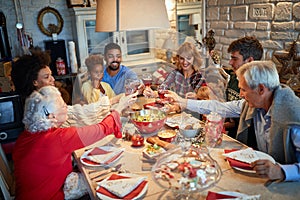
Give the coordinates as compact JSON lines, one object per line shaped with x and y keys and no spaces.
{"x":187,"y":78}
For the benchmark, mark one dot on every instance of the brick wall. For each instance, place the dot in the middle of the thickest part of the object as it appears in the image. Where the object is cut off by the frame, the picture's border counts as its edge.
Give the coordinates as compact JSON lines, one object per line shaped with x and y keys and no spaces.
{"x":275,"y":23}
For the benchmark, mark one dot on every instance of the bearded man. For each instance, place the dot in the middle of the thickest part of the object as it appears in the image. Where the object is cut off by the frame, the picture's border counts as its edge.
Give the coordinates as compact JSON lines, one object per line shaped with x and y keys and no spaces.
{"x":115,"y":74}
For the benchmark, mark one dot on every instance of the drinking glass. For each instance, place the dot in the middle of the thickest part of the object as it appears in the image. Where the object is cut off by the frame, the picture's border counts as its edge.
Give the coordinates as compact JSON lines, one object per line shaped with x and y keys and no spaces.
{"x":162,"y":90}
{"x":213,"y":130}
{"x":131,"y":86}
{"x":183,"y":141}
{"x":147,"y":79}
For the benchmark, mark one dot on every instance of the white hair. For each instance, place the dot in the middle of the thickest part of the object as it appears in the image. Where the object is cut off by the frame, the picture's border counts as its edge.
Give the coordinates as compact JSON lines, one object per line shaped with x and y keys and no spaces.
{"x":38,"y":106}
{"x":260,"y":72}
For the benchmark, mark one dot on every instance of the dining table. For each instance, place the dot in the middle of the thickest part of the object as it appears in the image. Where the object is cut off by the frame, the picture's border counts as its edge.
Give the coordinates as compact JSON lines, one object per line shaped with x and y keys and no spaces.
{"x":132,"y":161}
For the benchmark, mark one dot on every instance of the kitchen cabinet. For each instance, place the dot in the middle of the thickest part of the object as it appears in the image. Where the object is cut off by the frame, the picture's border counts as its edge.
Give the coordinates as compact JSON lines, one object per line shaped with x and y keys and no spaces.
{"x":185,"y":25}
{"x":135,"y":45}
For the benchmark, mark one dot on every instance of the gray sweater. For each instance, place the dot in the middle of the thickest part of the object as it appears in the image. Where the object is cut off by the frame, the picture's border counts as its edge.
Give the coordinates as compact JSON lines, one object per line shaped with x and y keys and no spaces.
{"x":285,"y":113}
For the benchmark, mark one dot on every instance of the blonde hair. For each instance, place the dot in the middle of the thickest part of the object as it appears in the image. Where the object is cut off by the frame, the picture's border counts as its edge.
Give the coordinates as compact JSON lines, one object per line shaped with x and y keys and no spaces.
{"x":203,"y":93}
{"x":190,"y":50}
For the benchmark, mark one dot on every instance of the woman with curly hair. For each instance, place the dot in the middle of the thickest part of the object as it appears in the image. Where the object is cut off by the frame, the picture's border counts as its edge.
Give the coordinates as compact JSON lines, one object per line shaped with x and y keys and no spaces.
{"x":32,"y":72}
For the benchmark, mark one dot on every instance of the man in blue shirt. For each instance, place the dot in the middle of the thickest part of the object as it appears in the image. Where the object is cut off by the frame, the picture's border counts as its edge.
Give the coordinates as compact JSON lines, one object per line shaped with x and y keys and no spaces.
{"x":269,"y":118}
{"x":115,"y":74}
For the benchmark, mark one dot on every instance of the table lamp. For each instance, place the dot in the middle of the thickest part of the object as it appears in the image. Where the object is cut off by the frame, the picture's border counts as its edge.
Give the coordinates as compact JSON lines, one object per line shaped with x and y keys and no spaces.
{"x":118,"y":15}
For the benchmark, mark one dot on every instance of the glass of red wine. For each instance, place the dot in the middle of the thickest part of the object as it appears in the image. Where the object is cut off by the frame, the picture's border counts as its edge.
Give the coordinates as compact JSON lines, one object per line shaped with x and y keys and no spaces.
{"x":147,"y":79}
{"x":162,"y":90}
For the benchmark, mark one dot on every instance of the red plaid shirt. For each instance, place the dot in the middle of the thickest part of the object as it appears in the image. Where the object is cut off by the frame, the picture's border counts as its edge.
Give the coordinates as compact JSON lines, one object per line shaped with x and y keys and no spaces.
{"x":176,"y":82}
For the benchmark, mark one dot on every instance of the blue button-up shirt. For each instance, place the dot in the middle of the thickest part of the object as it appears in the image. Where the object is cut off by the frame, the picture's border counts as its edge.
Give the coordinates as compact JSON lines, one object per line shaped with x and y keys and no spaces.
{"x":117,"y":82}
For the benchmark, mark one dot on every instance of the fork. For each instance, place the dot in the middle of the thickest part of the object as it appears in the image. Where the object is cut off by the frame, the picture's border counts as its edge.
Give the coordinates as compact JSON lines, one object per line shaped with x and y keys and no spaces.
{"x":96,"y":174}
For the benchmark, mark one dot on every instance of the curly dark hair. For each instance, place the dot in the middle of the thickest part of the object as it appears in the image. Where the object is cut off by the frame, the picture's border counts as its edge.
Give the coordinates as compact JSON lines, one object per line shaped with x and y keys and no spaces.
{"x":248,"y":47}
{"x":93,"y":60}
{"x":111,"y":46}
{"x":25,"y":71}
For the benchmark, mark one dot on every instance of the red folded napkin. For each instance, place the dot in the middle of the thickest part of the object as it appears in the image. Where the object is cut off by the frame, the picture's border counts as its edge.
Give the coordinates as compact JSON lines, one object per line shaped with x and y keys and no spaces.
{"x":214,"y":196}
{"x":130,"y":196}
{"x":236,"y":163}
{"x":87,"y":161}
{"x":98,"y":151}
{"x":113,"y":158}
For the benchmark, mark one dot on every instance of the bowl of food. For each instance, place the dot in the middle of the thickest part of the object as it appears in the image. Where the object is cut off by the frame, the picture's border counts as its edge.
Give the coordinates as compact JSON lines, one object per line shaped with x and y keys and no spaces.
{"x":148,"y":121}
{"x":190,"y":130}
{"x":167,"y":135}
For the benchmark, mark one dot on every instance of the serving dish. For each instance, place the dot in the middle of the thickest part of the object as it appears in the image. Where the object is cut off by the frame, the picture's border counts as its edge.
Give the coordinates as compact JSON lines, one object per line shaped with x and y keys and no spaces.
{"x":186,"y":172}
{"x":167,"y":135}
{"x":148,"y":121}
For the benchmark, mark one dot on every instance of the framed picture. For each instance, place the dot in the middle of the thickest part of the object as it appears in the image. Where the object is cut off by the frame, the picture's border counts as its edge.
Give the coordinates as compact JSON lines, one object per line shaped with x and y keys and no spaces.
{"x":77,"y":3}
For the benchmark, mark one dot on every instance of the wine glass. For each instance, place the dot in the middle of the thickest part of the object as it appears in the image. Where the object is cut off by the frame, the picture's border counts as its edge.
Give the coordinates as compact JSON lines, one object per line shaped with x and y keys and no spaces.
{"x":183,"y":140}
{"x":147,"y":79}
{"x":131,"y":86}
{"x":162,"y":90}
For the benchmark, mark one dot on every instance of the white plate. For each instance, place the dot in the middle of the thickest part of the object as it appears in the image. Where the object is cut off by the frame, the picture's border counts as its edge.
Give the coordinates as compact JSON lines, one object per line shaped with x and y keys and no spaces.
{"x":106,"y":148}
{"x":261,"y":155}
{"x":157,"y":152}
{"x":141,"y":194}
{"x":175,"y":120}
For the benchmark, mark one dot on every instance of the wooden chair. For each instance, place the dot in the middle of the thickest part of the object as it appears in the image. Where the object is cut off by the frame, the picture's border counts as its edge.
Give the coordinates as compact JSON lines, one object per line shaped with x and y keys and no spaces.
{"x":7,"y":181}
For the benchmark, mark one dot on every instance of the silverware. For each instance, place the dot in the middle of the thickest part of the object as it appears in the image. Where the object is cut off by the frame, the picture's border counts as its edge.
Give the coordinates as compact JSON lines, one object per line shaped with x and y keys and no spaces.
{"x":104,"y":172}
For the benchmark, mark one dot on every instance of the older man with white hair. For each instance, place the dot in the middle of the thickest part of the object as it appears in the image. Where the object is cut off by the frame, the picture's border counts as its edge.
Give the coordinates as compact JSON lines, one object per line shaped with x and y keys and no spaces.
{"x":269,"y":118}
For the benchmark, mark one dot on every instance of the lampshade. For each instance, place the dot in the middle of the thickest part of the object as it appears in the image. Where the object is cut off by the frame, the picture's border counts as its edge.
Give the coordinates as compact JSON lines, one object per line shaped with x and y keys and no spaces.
{"x":195,"y":19}
{"x":118,"y":15}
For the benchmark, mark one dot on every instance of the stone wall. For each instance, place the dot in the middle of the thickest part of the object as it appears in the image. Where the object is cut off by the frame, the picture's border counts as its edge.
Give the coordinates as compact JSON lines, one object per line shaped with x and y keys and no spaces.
{"x":276,"y":23}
